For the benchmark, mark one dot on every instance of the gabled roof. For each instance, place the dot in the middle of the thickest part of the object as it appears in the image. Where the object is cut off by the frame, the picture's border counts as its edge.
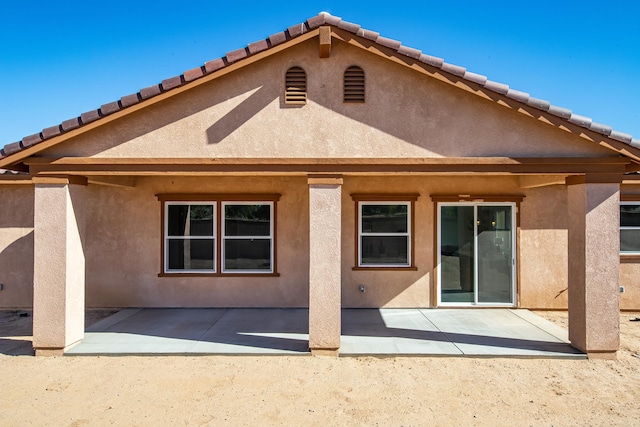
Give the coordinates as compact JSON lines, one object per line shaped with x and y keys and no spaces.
{"x":292,"y":33}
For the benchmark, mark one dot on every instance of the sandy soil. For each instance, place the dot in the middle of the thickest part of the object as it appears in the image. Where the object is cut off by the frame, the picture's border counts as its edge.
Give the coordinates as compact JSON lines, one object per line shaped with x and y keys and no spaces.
{"x":300,"y":390}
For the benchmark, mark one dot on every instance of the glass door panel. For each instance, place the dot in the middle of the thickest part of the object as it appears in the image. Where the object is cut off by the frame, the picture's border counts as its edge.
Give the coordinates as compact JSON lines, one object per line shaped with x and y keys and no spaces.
{"x":457,"y":254}
{"x":495,"y":254}
{"x":476,"y":254}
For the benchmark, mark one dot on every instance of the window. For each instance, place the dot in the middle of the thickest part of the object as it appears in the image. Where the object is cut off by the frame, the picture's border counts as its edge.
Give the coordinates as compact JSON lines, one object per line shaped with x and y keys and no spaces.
{"x":190,"y":234}
{"x":219,"y":234}
{"x":354,"y":85}
{"x":630,"y":228}
{"x":384,"y":231}
{"x":295,"y":86}
{"x":248,"y":237}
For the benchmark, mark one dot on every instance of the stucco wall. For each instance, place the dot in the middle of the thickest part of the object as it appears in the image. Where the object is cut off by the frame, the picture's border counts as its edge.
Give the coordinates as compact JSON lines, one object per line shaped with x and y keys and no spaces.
{"x":405,"y":115}
{"x":124,"y":235}
{"x":122,"y":238}
{"x":16,"y":246}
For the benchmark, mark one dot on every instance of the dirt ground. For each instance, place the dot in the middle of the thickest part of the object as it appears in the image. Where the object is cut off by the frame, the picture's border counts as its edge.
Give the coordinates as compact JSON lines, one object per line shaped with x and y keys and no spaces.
{"x":327,"y":391}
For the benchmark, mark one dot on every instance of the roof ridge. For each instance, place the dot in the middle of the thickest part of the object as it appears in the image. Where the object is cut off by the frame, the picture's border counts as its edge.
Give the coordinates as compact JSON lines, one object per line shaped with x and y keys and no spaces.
{"x":323,"y":18}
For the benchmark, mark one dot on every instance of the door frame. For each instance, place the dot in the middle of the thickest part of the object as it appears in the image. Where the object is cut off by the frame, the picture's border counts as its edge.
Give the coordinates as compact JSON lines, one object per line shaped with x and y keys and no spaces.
{"x":515,"y":225}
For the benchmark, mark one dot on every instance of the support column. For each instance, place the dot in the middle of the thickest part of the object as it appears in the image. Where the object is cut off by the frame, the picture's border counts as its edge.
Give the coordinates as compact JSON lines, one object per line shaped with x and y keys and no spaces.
{"x":594,"y":258}
{"x":325,"y":264}
{"x":59,"y":267}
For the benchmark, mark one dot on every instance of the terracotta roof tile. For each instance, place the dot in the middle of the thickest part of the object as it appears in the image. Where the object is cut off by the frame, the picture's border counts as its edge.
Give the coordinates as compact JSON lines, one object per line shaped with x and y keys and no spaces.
{"x":454,"y":69}
{"x":540,"y":104}
{"x":149,"y":92}
{"x":171,"y":83}
{"x":236,"y":55}
{"x":390,"y":43}
{"x":12,"y":148}
{"x":110,"y":108}
{"x":297,"y":30}
{"x":316,"y":21}
{"x":52,"y":131}
{"x":70,"y":124}
{"x":331,"y":19}
{"x":565,"y":113}
{"x":579,"y":120}
{"x":621,"y":136}
{"x":257,"y":47}
{"x":129,"y":100}
{"x":349,"y":26}
{"x":278,"y":38}
{"x":476,"y":78}
{"x":193,"y":74}
{"x":431,"y":60}
{"x":89,"y":116}
{"x":294,"y":31}
{"x":518,"y":95}
{"x":214,"y":65}
{"x":601,"y":128}
{"x":369,"y":35}
{"x":30,"y":140}
{"x":410,"y":52}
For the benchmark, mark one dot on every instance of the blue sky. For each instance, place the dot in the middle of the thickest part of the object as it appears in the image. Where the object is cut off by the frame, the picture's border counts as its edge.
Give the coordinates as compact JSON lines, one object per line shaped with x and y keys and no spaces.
{"x":60,"y":59}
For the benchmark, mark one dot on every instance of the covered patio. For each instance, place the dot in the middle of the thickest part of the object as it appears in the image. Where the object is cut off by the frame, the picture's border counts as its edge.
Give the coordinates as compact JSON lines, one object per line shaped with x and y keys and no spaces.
{"x":365,"y":332}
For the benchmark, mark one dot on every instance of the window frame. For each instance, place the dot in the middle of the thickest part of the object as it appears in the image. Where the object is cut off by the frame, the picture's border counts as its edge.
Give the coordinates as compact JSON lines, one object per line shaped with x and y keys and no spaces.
{"x":167,"y":237}
{"x":217,"y":200}
{"x":392,"y":199}
{"x":224,"y":237}
{"x":627,"y":227}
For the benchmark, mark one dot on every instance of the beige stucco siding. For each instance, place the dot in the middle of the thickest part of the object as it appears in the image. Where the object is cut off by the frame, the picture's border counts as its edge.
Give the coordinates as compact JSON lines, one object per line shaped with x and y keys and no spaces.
{"x":124,"y":235}
{"x":124,"y":238}
{"x":16,"y":246}
{"x":405,"y":115}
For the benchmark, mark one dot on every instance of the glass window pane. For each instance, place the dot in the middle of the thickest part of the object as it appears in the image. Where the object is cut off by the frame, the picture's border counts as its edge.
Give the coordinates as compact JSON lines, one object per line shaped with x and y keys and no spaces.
{"x":188,"y":254}
{"x":630,"y":215}
{"x":247,"y":254}
{"x":629,"y":240}
{"x":384,"y":219}
{"x":247,"y":220}
{"x":457,"y":253}
{"x":389,"y":250}
{"x":190,"y":220}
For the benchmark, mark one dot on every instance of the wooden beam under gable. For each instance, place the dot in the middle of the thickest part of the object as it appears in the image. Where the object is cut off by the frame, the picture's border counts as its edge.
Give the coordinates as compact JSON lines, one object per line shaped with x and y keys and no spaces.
{"x":325,"y":41}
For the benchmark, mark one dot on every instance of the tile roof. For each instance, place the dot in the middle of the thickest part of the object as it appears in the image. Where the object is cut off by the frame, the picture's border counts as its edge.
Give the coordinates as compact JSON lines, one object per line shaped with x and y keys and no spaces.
{"x":291,"y":33}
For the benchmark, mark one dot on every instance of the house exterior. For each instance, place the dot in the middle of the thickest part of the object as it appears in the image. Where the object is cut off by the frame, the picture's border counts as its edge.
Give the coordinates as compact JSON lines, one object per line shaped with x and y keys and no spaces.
{"x":324,"y":167}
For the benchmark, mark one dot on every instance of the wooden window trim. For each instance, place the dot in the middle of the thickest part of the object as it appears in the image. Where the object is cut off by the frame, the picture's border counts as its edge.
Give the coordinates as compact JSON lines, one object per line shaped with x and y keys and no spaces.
{"x":409,"y":199}
{"x":218,"y":199}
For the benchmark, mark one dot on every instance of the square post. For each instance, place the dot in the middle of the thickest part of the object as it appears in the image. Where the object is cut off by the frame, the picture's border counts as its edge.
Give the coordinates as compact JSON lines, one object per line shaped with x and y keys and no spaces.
{"x":59,"y":267}
{"x":325,"y":264}
{"x":594,"y":257}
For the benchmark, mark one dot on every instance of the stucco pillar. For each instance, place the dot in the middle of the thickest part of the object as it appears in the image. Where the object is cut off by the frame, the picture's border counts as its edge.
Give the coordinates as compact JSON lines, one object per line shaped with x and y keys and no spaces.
{"x":325,"y":202}
{"x":594,"y":257}
{"x":59,"y":267}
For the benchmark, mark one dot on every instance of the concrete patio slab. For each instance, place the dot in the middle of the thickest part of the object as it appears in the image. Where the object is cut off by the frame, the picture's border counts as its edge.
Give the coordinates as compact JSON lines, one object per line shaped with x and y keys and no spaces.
{"x":375,"y":332}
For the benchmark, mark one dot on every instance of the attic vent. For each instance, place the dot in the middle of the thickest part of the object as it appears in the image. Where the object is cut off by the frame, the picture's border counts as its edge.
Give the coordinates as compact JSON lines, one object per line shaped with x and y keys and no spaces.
{"x":354,"y":85}
{"x":296,"y":84}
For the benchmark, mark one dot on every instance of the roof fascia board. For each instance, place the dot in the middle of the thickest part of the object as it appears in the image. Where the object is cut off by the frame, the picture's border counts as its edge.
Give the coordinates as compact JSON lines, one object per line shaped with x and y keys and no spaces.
{"x":30,"y":151}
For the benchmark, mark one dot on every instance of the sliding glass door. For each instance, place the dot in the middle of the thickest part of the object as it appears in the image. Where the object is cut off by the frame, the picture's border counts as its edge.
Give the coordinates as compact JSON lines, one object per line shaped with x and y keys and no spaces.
{"x":476,"y":254}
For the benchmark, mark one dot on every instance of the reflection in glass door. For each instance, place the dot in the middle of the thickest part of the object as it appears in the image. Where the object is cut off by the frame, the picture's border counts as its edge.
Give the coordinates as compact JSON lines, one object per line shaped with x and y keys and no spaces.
{"x":476,"y":254}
